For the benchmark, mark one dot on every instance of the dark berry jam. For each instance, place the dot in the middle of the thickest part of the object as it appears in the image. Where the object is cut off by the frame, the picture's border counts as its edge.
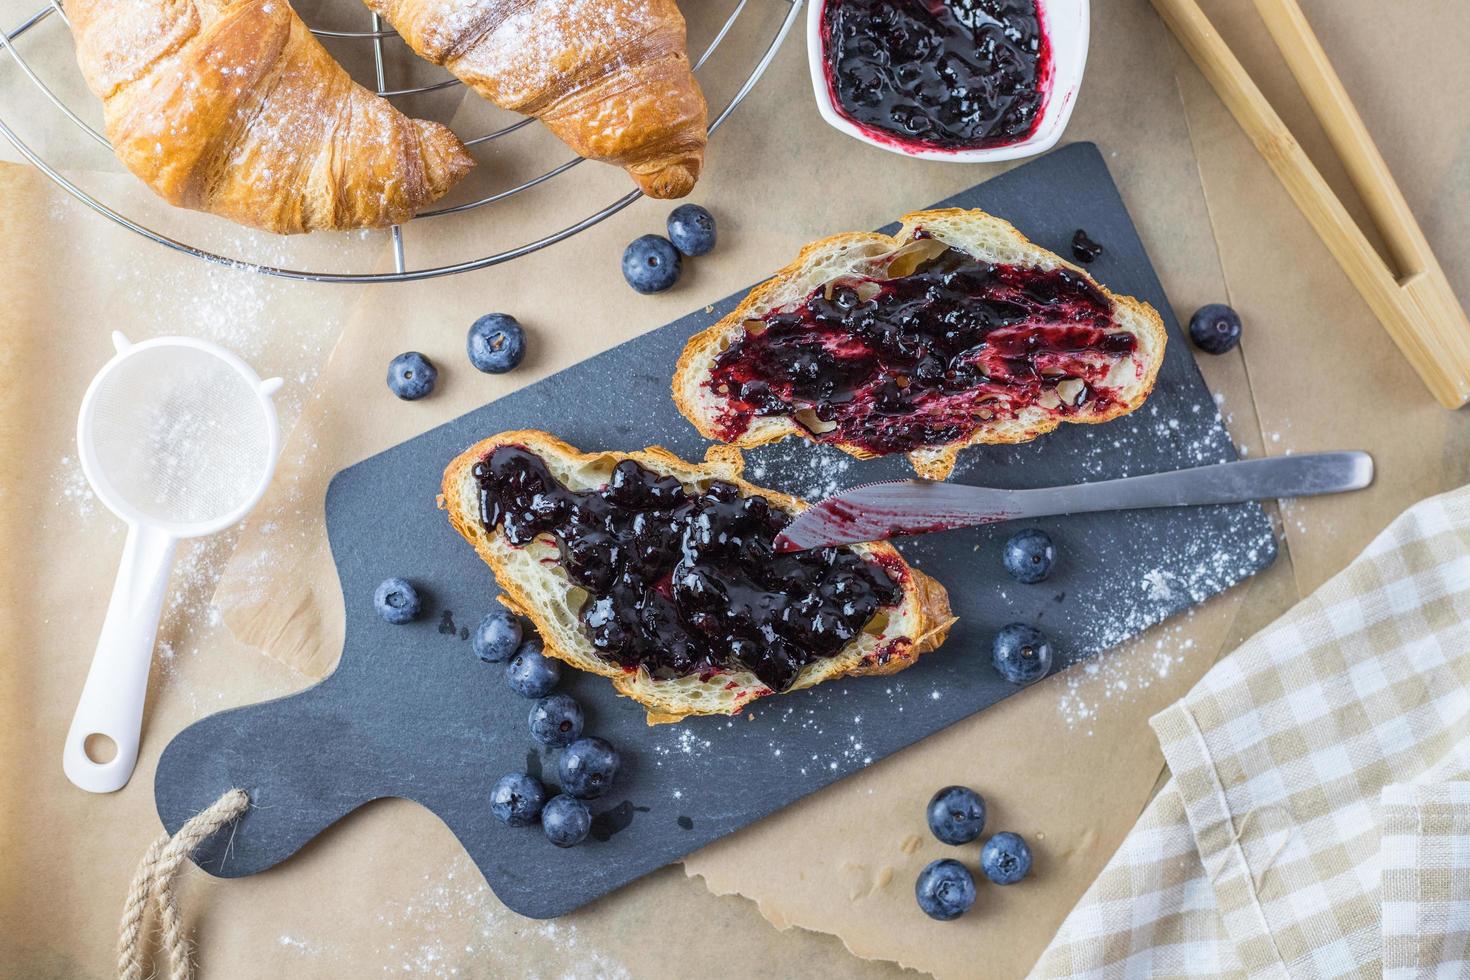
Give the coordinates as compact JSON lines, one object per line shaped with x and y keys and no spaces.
{"x":684,"y":583}
{"x":938,"y":74}
{"x":1084,"y":249}
{"x":924,"y":358}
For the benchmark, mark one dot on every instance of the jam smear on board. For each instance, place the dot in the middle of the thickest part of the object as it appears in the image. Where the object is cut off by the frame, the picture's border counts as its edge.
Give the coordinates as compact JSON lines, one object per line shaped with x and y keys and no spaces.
{"x":926,"y":357}
{"x":938,"y":74}
{"x":686,"y":582}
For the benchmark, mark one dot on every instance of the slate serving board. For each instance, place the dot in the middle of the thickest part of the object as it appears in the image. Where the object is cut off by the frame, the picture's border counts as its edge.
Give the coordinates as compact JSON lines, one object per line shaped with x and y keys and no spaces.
{"x":411,"y":713}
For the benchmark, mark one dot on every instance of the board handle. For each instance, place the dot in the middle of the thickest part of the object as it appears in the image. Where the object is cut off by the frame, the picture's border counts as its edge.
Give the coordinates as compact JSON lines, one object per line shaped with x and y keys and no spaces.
{"x":294,"y":794}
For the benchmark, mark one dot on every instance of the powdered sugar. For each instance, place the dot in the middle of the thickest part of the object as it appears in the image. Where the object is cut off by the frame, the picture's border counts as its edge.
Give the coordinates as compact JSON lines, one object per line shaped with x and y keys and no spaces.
{"x":451,"y":925}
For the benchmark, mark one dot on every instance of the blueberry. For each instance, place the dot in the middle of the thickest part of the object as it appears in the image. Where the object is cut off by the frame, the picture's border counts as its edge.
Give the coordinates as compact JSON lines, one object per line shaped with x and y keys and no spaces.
{"x":1215,"y":328}
{"x":497,"y":636}
{"x":517,"y":799}
{"x":566,"y":820}
{"x":397,"y":601}
{"x":957,"y":814}
{"x":1005,"y":858}
{"x":945,"y":889}
{"x":692,"y":229}
{"x":1028,"y":556}
{"x":587,"y":767}
{"x":531,"y":673}
{"x":556,"y":720}
{"x":411,"y":376}
{"x":496,"y":343}
{"x":1021,"y":653}
{"x":651,"y":264}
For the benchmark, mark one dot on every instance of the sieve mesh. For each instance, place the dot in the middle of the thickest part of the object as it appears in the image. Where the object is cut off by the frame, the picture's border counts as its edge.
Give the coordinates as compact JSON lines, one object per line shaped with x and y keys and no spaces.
{"x":179,"y":434}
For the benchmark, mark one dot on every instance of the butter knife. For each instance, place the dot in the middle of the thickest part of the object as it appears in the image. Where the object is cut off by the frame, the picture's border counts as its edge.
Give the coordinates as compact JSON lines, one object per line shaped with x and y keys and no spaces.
{"x":878,"y":511}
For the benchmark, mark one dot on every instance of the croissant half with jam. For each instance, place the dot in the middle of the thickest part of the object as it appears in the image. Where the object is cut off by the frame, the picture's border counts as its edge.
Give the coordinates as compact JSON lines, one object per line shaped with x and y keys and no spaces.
{"x":611,"y":78}
{"x":233,"y":107}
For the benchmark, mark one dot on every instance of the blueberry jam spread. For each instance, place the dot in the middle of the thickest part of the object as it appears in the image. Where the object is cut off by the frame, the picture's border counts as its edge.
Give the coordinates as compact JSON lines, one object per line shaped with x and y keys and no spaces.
{"x":683,"y":583}
{"x":924,"y":357}
{"x":939,"y":74}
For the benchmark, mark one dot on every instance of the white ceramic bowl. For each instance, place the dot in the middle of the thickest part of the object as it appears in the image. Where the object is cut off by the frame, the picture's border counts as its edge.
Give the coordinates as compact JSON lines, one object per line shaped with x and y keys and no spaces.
{"x":1066,"y":23}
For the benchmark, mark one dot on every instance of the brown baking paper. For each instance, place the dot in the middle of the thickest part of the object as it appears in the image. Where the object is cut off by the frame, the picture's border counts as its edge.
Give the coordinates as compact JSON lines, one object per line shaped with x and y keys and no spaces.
{"x":1069,"y":762}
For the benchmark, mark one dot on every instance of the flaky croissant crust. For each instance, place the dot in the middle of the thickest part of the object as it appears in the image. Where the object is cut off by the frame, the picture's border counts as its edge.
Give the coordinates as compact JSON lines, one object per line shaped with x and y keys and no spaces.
{"x":234,"y":108}
{"x":611,"y":78}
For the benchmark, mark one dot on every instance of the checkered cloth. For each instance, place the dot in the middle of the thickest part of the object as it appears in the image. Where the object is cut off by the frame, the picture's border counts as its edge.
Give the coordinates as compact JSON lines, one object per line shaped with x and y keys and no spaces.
{"x":1317,"y":819}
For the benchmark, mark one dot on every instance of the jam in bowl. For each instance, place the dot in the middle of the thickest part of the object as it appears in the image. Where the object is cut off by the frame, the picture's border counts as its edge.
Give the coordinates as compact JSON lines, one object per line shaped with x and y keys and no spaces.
{"x":959,"y":80}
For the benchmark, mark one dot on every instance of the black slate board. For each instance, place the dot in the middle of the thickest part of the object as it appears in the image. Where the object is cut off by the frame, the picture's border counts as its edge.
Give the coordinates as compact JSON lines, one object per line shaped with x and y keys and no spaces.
{"x":411,"y":713}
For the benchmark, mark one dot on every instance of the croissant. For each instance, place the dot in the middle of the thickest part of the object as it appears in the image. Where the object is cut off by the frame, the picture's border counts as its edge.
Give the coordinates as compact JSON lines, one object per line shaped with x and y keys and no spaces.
{"x":234,"y":108}
{"x":611,"y":78}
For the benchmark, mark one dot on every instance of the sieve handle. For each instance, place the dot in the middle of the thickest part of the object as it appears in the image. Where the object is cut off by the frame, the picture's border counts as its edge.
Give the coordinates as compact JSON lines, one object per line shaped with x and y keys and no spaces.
{"x":112,"y":699}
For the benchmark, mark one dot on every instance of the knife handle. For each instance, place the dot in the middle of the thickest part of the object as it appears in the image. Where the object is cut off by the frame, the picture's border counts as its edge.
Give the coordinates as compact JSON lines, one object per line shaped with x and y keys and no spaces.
{"x":1222,"y":483}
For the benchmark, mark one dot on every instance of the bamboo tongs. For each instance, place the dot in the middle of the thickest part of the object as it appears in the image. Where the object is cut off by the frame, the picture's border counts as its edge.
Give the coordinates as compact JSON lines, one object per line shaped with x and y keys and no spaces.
{"x":1413,"y":299}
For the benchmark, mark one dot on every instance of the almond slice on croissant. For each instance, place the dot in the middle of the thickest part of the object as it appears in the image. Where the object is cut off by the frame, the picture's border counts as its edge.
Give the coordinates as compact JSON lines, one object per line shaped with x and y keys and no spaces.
{"x":611,"y":78}
{"x":953,"y":332}
{"x":232,"y":107}
{"x":658,"y":574}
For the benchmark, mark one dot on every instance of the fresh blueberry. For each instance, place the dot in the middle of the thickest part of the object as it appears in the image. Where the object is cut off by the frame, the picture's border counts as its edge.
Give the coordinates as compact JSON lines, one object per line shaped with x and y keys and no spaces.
{"x":531,"y":673}
{"x":517,"y":799}
{"x":566,"y":820}
{"x":496,"y":343}
{"x":1021,"y":653}
{"x":945,"y":889}
{"x":397,"y":601}
{"x":497,"y":636}
{"x":1084,"y":249}
{"x":651,"y":264}
{"x":1028,"y":555}
{"x":957,"y":814}
{"x":1215,"y":328}
{"x":411,"y":376}
{"x":692,"y":229}
{"x":556,"y":720}
{"x":1005,"y":858}
{"x":587,"y":767}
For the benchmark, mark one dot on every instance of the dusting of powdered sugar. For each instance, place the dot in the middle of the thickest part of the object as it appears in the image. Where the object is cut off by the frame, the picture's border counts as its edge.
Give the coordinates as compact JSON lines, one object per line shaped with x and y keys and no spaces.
{"x":451,"y":925}
{"x":811,"y":472}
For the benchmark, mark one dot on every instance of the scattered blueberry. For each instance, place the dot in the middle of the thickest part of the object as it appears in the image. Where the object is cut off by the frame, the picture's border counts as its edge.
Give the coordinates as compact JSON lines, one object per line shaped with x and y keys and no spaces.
{"x":651,"y":264}
{"x":1021,"y":653}
{"x":496,"y":343}
{"x":1215,"y":328}
{"x":397,"y":601}
{"x":517,"y":799}
{"x":531,"y":673}
{"x":411,"y":376}
{"x":692,"y":229}
{"x":566,"y":820}
{"x":1005,"y":858}
{"x":945,"y":889}
{"x":957,"y":814}
{"x":497,"y":636}
{"x":556,"y":720}
{"x":587,"y":767}
{"x":1084,"y":249}
{"x":1028,"y":555}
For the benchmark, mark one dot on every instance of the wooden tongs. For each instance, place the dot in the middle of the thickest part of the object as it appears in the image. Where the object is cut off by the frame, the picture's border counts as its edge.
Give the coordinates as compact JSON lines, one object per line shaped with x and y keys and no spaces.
{"x":1412,"y":299}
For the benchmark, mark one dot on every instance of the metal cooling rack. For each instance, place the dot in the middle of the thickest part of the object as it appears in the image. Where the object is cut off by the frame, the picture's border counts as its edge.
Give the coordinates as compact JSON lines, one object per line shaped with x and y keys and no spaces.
{"x":378,"y":36}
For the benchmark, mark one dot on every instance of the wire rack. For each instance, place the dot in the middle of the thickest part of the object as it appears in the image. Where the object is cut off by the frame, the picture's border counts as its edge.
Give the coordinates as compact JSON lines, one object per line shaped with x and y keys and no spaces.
{"x":378,"y":37}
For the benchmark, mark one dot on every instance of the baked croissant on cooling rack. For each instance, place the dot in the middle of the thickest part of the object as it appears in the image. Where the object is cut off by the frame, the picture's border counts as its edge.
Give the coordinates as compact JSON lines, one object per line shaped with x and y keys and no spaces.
{"x":611,"y":78}
{"x":233,"y":107}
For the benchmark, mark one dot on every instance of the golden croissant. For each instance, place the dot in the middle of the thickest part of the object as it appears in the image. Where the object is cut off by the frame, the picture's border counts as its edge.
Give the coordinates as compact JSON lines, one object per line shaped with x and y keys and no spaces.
{"x":611,"y":78}
{"x":233,"y":107}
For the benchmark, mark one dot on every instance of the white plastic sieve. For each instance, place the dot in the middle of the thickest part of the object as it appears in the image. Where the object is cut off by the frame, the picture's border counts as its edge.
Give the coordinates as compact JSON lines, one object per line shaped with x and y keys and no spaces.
{"x":178,"y":437}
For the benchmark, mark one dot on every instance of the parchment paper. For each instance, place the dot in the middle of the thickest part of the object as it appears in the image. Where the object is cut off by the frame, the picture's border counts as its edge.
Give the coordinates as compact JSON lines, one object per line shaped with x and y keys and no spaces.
{"x":1071,"y":760}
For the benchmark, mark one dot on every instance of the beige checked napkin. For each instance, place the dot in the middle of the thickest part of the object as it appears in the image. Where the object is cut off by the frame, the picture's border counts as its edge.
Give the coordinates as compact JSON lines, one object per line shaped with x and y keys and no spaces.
{"x":1317,"y":818}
